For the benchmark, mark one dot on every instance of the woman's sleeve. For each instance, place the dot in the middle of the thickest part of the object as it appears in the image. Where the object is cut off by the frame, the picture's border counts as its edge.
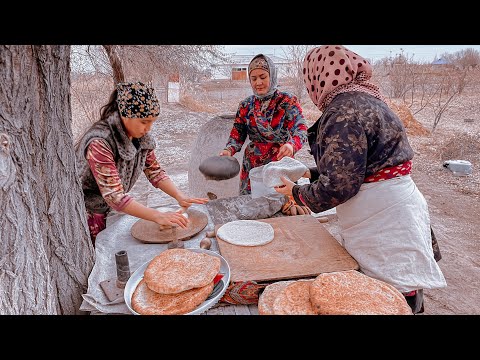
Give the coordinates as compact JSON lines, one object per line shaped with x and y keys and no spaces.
{"x":102,"y":164}
{"x":296,"y":124}
{"x":341,"y":167}
{"x":153,"y":170}
{"x":238,"y":134}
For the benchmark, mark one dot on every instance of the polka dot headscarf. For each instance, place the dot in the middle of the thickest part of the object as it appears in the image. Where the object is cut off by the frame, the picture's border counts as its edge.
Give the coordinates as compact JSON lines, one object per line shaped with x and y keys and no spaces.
{"x":137,"y":100}
{"x":329,"y":70}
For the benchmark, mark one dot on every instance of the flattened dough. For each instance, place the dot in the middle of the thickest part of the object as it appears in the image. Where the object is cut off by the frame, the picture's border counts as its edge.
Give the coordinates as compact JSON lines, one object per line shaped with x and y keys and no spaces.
{"x":246,"y":232}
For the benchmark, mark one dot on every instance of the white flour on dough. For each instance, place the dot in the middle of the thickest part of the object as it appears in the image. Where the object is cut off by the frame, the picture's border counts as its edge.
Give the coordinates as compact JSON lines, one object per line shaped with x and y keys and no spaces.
{"x":246,"y":232}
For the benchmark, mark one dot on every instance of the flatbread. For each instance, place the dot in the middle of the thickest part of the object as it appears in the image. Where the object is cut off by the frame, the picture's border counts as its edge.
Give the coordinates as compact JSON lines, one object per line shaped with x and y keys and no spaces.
{"x":268,"y":296}
{"x":294,"y":299}
{"x":148,"y":302}
{"x":246,"y":232}
{"x":177,"y":270}
{"x":353,"y":293}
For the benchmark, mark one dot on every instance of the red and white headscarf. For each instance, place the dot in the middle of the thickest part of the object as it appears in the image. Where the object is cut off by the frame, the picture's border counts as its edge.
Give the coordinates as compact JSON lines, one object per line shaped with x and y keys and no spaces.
{"x":329,"y":70}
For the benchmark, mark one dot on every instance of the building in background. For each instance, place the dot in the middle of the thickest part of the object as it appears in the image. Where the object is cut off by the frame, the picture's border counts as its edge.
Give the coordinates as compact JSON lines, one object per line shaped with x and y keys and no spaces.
{"x":237,"y":68}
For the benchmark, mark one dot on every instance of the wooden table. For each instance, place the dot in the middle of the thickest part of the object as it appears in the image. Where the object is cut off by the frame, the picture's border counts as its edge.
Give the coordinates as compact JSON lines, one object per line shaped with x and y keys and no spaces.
{"x":117,"y":237}
{"x":319,"y":241}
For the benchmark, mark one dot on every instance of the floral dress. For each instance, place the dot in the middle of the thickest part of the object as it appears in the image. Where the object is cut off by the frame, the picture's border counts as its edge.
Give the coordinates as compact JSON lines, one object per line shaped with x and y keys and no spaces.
{"x":269,"y":123}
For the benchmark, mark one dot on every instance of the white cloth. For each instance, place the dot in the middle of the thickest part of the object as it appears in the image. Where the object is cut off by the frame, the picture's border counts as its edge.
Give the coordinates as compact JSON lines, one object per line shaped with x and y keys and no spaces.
{"x":386,"y":228}
{"x":288,"y":167}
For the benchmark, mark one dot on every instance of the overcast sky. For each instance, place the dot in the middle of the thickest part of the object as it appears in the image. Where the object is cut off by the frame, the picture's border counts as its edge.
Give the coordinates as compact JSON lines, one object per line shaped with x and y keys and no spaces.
{"x":372,"y":52}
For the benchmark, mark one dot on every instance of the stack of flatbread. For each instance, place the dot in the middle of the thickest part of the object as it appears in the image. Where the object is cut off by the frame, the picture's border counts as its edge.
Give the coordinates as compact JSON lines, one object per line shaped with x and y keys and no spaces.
{"x":175,"y":282}
{"x":337,"y":293}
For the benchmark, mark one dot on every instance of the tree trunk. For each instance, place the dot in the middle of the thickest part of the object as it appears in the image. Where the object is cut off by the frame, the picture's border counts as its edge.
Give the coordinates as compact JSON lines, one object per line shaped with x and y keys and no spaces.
{"x":115,"y":62}
{"x":45,"y":250}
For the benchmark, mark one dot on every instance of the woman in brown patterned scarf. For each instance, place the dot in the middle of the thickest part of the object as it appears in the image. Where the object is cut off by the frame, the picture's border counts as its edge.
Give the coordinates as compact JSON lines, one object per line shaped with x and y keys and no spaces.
{"x":272,"y":119}
{"x":363,"y":163}
{"x":115,"y":150}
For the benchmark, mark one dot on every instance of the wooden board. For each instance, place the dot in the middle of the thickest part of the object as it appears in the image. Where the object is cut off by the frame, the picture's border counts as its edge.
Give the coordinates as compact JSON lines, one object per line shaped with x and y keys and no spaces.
{"x":150,"y":232}
{"x":301,"y":248}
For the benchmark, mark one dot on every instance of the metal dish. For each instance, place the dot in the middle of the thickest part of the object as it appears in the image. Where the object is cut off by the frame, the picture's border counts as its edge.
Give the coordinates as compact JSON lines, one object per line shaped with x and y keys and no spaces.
{"x":211,"y":300}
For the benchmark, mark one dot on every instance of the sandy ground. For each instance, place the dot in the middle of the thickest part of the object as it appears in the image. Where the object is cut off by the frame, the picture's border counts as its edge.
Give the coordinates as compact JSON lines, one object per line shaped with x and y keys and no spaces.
{"x":454,"y":203}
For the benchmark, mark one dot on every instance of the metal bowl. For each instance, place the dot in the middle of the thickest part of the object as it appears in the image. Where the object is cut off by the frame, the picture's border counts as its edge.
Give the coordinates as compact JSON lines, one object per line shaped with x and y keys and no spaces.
{"x":211,"y":300}
{"x":219,"y":167}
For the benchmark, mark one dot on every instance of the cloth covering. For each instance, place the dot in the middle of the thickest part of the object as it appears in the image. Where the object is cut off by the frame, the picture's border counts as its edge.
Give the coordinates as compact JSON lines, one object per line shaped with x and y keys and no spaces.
{"x":391,"y":219}
{"x":243,"y":293}
{"x":288,"y":167}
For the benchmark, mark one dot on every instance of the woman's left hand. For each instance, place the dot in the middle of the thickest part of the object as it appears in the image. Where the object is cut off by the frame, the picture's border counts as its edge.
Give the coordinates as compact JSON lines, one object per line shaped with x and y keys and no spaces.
{"x":286,"y":188}
{"x":285,"y":150}
{"x":186,"y":202}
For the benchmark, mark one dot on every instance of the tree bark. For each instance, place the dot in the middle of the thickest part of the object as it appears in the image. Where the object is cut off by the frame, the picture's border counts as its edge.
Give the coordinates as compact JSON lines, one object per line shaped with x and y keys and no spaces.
{"x":45,"y":250}
{"x":115,"y":62}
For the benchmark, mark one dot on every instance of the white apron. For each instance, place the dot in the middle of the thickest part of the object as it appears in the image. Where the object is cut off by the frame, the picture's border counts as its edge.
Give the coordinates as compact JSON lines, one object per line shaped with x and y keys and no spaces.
{"x":386,"y":229}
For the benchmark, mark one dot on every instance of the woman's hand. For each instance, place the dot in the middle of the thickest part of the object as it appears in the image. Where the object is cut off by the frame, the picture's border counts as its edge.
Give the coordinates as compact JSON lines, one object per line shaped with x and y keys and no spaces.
{"x":225,"y":152}
{"x":286,"y":188}
{"x":307,"y":174}
{"x":186,"y":202}
{"x":171,"y":218}
{"x":285,"y":150}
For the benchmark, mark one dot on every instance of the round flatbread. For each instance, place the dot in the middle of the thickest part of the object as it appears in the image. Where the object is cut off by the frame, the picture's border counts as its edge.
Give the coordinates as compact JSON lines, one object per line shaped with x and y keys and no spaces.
{"x":148,"y":302}
{"x":294,"y":299}
{"x":353,"y":293}
{"x":267,"y":297}
{"x":246,"y":232}
{"x":177,"y":270}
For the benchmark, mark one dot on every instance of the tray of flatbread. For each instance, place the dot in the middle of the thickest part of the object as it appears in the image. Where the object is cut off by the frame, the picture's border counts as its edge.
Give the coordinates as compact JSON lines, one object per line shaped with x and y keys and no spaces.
{"x":211,"y":293}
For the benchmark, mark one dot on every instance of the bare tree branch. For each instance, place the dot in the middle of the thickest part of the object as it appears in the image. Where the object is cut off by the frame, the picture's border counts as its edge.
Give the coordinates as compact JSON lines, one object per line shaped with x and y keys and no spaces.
{"x":115,"y":62}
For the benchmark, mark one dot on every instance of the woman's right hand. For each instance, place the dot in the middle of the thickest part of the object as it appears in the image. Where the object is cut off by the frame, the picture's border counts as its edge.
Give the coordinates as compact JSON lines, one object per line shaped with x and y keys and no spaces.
{"x":225,"y":152}
{"x":171,"y":218}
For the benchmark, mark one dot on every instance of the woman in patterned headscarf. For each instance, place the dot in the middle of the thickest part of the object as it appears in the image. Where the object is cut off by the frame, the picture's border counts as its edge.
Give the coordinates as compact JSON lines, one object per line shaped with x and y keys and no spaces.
{"x":363,"y":160}
{"x":115,"y":150}
{"x":272,"y":119}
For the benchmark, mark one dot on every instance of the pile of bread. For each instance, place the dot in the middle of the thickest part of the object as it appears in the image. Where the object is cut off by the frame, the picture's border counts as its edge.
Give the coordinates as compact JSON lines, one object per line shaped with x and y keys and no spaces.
{"x":336,"y":293}
{"x":175,"y":282}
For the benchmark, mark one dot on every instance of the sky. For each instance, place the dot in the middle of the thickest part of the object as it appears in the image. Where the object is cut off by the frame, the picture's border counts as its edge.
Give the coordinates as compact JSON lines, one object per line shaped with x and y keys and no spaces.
{"x":423,"y":53}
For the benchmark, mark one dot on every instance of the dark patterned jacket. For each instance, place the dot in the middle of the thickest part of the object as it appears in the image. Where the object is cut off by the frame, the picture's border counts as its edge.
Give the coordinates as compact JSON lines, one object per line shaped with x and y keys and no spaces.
{"x":129,"y":159}
{"x":356,"y":136}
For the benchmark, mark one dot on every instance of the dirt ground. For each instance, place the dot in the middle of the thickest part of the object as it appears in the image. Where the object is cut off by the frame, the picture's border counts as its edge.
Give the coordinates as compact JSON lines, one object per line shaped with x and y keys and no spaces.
{"x":454,"y":201}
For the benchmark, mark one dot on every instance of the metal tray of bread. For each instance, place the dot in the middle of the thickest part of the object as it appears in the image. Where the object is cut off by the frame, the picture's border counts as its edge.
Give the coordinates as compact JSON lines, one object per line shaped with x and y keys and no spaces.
{"x":217,"y":292}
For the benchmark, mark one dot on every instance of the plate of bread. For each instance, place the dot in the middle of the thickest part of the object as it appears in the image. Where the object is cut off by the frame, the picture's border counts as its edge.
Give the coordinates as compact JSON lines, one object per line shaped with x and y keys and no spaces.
{"x":178,"y":282}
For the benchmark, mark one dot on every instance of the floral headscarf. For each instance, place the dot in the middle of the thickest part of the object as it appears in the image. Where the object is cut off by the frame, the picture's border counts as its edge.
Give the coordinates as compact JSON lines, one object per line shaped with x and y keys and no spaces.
{"x":263,"y":62}
{"x":137,"y":100}
{"x":329,"y":70}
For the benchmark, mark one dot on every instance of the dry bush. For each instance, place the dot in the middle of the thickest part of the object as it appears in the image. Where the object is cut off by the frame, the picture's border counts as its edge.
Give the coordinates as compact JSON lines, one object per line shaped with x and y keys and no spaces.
{"x":310,"y":111}
{"x":412,"y":126}
{"x":193,"y":103}
{"x":461,"y":146}
{"x":89,"y":94}
{"x":214,"y":96}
